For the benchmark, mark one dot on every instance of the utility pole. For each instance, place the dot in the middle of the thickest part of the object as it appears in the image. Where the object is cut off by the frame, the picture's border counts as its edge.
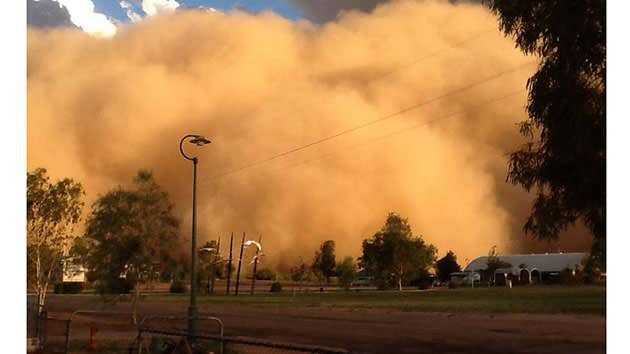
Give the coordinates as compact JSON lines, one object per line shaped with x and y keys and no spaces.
{"x":229,"y":270}
{"x":238,"y":272}
{"x":255,"y":264}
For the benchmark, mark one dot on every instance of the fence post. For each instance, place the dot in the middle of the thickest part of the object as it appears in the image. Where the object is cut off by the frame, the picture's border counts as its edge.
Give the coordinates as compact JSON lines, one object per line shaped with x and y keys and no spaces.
{"x":68,"y":322}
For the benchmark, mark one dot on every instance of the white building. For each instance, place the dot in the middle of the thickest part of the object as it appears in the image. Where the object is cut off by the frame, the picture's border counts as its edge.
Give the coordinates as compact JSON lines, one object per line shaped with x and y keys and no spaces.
{"x":73,"y":273}
{"x":531,"y":268}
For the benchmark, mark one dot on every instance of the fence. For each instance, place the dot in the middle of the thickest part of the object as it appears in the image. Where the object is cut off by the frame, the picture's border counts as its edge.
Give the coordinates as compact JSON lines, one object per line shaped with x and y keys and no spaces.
{"x":77,"y":333}
{"x":172,"y":342}
{"x":60,"y":333}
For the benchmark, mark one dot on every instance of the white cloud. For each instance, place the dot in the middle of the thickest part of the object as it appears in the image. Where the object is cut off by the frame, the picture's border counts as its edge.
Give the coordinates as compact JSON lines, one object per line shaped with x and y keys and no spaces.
{"x":82,"y":14}
{"x":153,"y":7}
{"x":132,"y":15}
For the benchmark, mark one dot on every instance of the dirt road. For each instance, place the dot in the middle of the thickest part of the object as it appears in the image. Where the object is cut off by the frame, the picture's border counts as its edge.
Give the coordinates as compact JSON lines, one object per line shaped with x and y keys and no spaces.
{"x":390,"y":331}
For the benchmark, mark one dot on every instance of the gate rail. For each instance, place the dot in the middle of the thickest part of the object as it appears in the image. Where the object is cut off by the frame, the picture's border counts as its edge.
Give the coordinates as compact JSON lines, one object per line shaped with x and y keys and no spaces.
{"x":89,"y":312}
{"x":249,"y":341}
{"x":143,"y":329}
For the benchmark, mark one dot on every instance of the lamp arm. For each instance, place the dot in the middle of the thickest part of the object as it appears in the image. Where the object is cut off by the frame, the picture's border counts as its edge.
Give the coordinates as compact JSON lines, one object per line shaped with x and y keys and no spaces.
{"x":181,"y":147}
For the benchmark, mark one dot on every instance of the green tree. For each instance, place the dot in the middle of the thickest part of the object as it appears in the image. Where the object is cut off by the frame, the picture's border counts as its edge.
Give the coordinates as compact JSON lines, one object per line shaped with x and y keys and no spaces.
{"x":394,"y":256}
{"x":52,"y":212}
{"x":129,"y":231}
{"x":324,"y":262}
{"x":346,"y":271}
{"x":564,"y":159}
{"x":447,"y":265}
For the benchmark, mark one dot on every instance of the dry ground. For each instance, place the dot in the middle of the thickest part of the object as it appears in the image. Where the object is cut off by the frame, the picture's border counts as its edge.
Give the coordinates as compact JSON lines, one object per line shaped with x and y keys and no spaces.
{"x":380,"y":330}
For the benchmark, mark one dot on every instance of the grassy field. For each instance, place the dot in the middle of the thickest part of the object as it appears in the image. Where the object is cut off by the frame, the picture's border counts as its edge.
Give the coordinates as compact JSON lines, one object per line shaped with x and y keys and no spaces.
{"x":543,"y":299}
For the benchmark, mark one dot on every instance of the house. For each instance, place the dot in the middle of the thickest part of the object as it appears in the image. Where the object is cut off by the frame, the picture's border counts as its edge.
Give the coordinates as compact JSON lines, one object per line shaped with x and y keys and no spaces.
{"x":530,"y":268}
{"x":73,"y":273}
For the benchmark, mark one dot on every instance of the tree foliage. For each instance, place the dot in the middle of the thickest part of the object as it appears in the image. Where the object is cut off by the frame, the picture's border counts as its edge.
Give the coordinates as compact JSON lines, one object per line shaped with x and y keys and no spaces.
{"x":210,"y":260}
{"x":447,"y":265}
{"x":564,"y":159}
{"x":394,"y":256}
{"x":346,"y":271}
{"x":494,"y":263}
{"x":130,"y":233}
{"x":324,"y":262}
{"x":52,"y":212}
{"x":298,"y":272}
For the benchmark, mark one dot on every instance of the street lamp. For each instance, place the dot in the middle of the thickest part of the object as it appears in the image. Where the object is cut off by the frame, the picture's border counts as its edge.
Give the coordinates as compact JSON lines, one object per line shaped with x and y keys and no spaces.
{"x":254,"y":261}
{"x":198,"y":140}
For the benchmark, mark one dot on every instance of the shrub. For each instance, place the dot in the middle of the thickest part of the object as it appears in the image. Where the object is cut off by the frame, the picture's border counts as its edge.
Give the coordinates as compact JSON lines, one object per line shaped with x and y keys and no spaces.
{"x":571,"y":277}
{"x":114,"y":286}
{"x":74,"y":287}
{"x":276,"y":287}
{"x":178,"y":287}
{"x":265,"y":274}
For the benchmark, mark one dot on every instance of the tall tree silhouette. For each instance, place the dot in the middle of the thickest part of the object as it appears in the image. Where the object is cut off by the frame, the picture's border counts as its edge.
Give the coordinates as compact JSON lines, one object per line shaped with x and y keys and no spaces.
{"x":564,"y":160}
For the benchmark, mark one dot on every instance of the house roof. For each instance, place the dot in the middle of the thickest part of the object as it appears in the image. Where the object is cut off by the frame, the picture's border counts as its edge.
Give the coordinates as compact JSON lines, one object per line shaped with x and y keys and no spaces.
{"x":544,"y":262}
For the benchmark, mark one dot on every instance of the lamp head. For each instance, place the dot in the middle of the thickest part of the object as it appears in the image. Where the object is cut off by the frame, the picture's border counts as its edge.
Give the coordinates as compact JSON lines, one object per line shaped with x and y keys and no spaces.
{"x":252,"y":242}
{"x":200,"y":140}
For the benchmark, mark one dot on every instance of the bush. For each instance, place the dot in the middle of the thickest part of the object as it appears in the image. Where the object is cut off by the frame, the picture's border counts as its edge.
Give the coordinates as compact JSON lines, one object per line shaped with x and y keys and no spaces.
{"x":571,"y":277}
{"x":265,"y":274}
{"x":114,"y":286}
{"x":178,"y":287}
{"x":74,"y":287}
{"x":276,"y":287}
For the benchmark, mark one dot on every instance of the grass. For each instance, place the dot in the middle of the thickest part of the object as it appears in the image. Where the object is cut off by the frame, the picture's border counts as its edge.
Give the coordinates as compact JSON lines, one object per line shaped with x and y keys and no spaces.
{"x":530,"y":299}
{"x":542,"y":299}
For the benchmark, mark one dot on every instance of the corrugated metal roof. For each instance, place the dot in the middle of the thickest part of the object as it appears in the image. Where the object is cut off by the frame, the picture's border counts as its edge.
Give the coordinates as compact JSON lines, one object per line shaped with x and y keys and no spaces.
{"x":544,"y":262}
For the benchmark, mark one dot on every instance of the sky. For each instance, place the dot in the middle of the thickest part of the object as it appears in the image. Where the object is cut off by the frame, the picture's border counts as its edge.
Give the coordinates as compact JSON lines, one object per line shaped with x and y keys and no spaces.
{"x":104,"y":17}
{"x":283,"y":7}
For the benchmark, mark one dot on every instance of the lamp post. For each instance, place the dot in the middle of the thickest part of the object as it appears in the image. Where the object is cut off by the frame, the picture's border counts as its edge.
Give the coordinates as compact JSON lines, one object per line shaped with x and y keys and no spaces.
{"x":198,"y":140}
{"x":255,"y":260}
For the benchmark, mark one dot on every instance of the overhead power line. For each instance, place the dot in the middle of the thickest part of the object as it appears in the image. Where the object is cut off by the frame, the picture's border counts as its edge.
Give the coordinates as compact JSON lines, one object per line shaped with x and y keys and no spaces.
{"x":375,"y":121}
{"x":407,"y":129}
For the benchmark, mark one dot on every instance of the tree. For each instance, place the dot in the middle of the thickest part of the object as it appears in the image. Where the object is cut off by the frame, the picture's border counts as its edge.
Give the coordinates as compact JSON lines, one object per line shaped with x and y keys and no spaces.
{"x":393,"y":254}
{"x":52,"y":212}
{"x":298,"y":272}
{"x":265,"y":274}
{"x":447,"y":265}
{"x":564,"y":159}
{"x":346,"y":271}
{"x":210,"y":263}
{"x":128,"y":232}
{"x":493,"y":263}
{"x":324,"y":262}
